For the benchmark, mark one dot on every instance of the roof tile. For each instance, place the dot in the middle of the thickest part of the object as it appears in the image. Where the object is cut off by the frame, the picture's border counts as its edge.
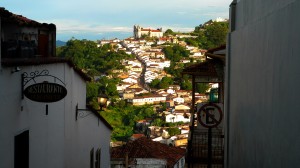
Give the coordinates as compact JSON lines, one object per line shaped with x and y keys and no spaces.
{"x":146,"y":148}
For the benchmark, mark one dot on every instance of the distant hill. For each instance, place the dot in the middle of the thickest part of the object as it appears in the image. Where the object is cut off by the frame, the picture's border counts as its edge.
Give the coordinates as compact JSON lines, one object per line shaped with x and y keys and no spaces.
{"x":60,"y":43}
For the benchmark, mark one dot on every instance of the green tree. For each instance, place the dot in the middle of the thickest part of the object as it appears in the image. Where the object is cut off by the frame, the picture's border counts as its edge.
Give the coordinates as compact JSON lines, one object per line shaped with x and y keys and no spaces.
{"x":186,"y":83}
{"x":165,"y":82}
{"x":123,"y":119}
{"x":91,"y":91}
{"x":95,"y":60}
{"x":169,"y":32}
{"x":192,"y":42}
{"x":216,"y":34}
{"x":158,"y":122}
{"x":154,"y":83}
{"x":202,"y":87}
{"x":174,"y":131}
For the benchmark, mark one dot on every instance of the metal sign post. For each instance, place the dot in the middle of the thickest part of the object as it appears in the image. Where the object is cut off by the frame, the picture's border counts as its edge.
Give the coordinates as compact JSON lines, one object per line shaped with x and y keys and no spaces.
{"x":210,"y":115}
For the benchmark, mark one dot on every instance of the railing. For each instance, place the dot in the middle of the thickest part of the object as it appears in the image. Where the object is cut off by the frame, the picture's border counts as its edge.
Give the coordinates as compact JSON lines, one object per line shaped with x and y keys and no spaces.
{"x":201,"y":155}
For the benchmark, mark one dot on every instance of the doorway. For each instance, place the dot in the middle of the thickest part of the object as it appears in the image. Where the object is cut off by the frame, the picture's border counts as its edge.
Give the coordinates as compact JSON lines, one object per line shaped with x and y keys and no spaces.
{"x":21,"y":159}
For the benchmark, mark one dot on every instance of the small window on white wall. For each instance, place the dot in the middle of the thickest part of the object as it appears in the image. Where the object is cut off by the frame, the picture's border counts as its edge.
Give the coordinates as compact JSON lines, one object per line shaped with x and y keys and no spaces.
{"x":92,"y":158}
{"x":98,"y":158}
{"x":182,"y":163}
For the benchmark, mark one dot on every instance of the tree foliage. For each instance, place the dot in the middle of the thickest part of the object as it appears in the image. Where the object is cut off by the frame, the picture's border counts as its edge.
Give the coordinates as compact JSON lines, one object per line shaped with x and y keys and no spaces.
{"x":186,"y":84}
{"x":202,"y":87}
{"x":173,"y":131}
{"x":164,"y":83}
{"x":96,"y":61}
{"x":123,"y":119}
{"x":175,"y":53}
{"x":210,"y":35}
{"x":87,"y":55}
{"x":169,"y":32}
{"x":216,"y":34}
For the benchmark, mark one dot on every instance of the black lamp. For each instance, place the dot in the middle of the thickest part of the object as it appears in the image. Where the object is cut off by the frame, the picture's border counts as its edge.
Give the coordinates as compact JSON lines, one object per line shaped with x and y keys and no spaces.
{"x":101,"y":99}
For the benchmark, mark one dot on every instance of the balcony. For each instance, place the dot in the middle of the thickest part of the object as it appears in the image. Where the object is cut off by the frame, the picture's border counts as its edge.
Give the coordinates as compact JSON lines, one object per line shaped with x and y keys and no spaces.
{"x":25,"y":38}
{"x":206,"y":142}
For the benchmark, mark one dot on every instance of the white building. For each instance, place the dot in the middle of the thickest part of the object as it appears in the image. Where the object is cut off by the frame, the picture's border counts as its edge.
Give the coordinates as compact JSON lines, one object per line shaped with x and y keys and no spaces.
{"x":178,"y":118}
{"x":130,"y":80}
{"x":39,"y":123}
{"x":153,"y":99}
{"x":179,"y":100}
{"x":139,"y":32}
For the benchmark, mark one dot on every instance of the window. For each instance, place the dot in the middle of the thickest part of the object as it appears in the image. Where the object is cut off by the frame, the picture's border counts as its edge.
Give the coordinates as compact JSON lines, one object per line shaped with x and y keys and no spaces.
{"x":98,"y":158}
{"x":182,"y":163}
{"x":92,"y":158}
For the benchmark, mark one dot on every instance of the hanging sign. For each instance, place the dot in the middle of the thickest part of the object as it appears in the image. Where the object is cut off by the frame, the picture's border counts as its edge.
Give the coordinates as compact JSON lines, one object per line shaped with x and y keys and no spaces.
{"x":45,"y":92}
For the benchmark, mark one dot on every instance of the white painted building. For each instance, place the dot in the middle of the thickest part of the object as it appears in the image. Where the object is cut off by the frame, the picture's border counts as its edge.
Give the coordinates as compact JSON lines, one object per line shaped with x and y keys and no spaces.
{"x":138,"y":32}
{"x":179,"y":100}
{"x":45,"y":134}
{"x":55,"y":138}
{"x":147,"y":100}
{"x":178,"y":118}
{"x":130,"y":80}
{"x":134,"y":63}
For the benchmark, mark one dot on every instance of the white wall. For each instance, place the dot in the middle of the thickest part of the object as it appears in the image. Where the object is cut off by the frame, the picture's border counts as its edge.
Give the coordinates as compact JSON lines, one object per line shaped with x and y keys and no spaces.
{"x":56,"y":139}
{"x":45,"y":131}
{"x":177,"y":118}
{"x":263,"y":99}
{"x":10,"y":92}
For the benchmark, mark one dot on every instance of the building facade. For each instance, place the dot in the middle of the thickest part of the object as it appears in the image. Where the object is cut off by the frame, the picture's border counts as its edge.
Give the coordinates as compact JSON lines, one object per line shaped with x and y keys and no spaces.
{"x":138,"y":32}
{"x":40,"y":124}
{"x":262,"y":100}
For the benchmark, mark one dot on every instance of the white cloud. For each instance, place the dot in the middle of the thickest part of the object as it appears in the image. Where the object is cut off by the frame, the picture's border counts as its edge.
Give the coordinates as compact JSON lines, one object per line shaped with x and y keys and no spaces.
{"x":102,"y":16}
{"x":79,"y":27}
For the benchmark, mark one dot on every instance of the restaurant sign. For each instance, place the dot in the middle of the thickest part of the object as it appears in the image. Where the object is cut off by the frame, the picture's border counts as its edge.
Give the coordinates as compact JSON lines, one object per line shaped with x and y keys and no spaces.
{"x":45,"y":92}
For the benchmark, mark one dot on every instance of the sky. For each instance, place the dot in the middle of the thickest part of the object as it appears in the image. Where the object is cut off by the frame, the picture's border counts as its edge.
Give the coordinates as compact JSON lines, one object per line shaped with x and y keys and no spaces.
{"x":108,"y":19}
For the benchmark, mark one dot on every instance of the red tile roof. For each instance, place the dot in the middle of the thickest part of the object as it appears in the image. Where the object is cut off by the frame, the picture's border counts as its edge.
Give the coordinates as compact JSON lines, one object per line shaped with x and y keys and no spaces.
{"x":9,"y":17}
{"x":137,"y":136}
{"x":208,"y":68}
{"x":150,"y":30}
{"x":146,"y":148}
{"x":42,"y":61}
{"x":155,"y":30}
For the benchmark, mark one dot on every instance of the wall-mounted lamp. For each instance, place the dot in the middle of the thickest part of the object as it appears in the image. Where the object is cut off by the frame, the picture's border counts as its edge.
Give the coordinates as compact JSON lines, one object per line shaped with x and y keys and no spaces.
{"x":16,"y":69}
{"x":101,"y":99}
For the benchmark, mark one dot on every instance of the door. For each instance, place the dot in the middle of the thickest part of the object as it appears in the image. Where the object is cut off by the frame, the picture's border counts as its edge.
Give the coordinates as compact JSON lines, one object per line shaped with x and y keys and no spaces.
{"x":22,"y":150}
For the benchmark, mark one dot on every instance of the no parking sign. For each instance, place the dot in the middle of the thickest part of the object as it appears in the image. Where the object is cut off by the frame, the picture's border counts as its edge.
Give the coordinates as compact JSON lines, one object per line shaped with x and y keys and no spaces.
{"x":210,"y":115}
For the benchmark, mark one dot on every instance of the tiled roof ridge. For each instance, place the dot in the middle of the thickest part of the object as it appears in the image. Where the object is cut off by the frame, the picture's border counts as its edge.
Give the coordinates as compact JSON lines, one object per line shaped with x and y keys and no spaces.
{"x":43,"y":60}
{"x":146,"y":148}
{"x":7,"y":16}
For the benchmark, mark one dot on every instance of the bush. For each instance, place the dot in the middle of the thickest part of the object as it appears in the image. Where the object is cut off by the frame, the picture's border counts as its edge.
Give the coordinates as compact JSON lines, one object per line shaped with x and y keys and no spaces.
{"x":174,"y":131}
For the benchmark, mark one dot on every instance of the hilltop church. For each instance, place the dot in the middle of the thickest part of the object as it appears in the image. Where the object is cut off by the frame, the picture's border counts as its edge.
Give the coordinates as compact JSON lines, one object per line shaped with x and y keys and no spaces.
{"x":138,"y":32}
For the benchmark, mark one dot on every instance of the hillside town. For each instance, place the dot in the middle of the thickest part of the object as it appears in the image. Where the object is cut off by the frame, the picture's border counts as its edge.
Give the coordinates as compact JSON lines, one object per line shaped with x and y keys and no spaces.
{"x":30,"y":59}
{"x":150,"y":64}
{"x":219,"y":96}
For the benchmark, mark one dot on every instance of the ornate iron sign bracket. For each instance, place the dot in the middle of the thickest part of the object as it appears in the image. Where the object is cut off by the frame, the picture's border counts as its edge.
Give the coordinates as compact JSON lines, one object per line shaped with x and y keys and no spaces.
{"x":81,"y":113}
